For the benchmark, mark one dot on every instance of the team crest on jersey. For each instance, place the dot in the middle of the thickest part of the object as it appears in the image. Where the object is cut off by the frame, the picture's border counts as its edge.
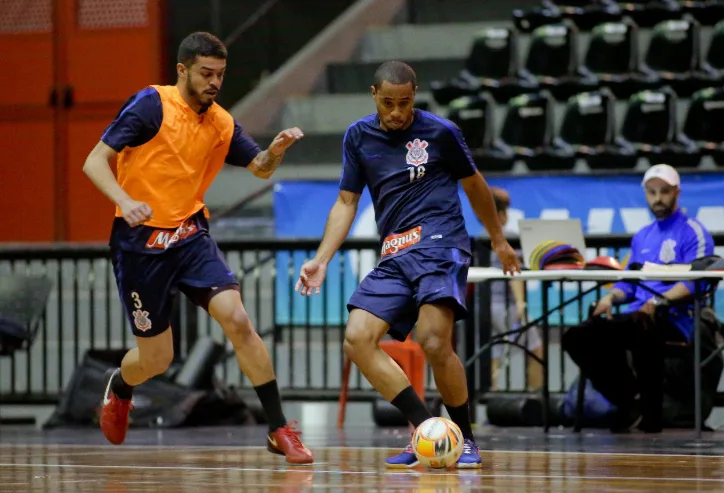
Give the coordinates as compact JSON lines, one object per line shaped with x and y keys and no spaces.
{"x":141,"y":320}
{"x":667,"y":254}
{"x":416,"y":153}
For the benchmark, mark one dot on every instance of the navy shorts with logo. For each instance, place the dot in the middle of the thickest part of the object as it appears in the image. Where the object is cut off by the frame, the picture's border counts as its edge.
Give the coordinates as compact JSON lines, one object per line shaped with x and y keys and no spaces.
{"x":148,"y":281}
{"x":398,"y":286}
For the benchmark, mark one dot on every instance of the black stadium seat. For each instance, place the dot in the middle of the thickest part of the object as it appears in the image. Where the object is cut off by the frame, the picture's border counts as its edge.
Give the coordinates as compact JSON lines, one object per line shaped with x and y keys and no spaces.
{"x":712,"y":67}
{"x":651,"y":126}
{"x":703,"y":124}
{"x":474,"y":115}
{"x":528,"y":131}
{"x":612,"y":57}
{"x":706,"y":12}
{"x":585,"y":14}
{"x":589,"y":128}
{"x":492,"y":66}
{"x":553,"y":61}
{"x":648,"y":13}
{"x":673,"y":55}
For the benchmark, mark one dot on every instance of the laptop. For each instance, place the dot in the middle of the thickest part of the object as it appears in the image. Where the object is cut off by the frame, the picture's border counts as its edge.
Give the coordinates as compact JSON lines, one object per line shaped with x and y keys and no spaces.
{"x":533,"y":232}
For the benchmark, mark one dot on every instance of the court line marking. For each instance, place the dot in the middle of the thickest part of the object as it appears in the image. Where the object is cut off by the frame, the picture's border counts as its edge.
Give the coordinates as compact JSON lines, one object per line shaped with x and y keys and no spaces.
{"x":239,"y":448}
{"x":308,"y":469}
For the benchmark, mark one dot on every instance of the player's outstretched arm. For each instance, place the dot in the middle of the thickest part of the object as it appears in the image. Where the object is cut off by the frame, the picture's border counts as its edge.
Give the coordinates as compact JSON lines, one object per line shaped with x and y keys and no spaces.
{"x":266,"y":162}
{"x":98,"y":169}
{"x":339,"y":222}
{"x":481,"y":200}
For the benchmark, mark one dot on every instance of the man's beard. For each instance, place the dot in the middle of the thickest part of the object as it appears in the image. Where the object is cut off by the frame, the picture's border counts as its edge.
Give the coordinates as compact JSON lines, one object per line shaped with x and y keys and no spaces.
{"x":197,"y":96}
{"x":662,"y":212}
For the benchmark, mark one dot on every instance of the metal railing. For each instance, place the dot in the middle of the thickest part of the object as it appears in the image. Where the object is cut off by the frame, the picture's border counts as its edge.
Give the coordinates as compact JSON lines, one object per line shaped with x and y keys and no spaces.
{"x":304,"y":335}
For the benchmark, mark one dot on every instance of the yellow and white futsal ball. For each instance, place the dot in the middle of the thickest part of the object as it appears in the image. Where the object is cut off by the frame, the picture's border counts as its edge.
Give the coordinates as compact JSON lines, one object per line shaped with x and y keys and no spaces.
{"x":438,"y":443}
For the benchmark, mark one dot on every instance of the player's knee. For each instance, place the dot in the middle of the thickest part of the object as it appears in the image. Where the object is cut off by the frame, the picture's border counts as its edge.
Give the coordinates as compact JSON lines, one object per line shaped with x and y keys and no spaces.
{"x":436,"y":346}
{"x":357,"y":340}
{"x":157,"y":361}
{"x":238,"y":328}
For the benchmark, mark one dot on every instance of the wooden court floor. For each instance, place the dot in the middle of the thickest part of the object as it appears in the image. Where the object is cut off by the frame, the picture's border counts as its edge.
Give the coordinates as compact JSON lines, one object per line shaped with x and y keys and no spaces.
{"x":39,"y":465}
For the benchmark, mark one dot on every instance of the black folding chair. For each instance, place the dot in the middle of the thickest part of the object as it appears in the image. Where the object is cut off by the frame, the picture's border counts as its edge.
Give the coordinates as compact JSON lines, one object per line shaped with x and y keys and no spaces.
{"x":22,"y":303}
{"x":709,"y":327}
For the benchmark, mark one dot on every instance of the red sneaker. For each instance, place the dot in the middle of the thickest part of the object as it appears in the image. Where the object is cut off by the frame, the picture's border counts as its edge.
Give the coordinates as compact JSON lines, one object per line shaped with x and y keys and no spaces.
{"x":285,"y":441}
{"x":114,"y":413}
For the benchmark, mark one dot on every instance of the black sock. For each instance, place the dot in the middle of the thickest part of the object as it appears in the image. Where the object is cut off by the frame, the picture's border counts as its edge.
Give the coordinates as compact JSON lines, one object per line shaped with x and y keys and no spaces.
{"x":461,"y":416}
{"x":121,"y":388}
{"x":271,"y":401}
{"x":411,"y":406}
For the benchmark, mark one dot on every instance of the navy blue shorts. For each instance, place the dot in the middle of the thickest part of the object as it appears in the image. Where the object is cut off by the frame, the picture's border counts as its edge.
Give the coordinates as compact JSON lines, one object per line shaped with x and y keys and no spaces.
{"x":148,"y":282}
{"x":396,"y":289}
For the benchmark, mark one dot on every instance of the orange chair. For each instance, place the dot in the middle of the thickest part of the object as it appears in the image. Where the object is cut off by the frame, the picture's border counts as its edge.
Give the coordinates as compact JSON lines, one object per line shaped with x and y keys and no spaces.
{"x":407,"y":354}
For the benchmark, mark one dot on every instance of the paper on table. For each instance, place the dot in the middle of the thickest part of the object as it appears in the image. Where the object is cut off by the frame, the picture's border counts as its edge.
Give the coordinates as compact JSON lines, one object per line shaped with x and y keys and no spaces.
{"x":652,"y":267}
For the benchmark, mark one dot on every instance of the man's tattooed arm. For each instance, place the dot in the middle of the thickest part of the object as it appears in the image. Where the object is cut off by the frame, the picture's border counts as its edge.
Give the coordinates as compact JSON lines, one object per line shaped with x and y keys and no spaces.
{"x":265,"y":164}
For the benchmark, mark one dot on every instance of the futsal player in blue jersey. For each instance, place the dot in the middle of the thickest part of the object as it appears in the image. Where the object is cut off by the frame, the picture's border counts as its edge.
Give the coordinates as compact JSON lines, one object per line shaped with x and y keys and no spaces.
{"x":412,"y":161}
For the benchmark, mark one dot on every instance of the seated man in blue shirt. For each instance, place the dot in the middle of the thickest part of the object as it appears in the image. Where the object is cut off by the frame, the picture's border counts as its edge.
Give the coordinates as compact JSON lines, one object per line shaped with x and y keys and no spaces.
{"x":599,"y":346}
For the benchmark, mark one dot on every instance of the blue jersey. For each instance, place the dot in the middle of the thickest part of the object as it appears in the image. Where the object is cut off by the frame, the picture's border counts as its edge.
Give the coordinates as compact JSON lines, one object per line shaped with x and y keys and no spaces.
{"x":412,"y":176}
{"x":678,"y":239}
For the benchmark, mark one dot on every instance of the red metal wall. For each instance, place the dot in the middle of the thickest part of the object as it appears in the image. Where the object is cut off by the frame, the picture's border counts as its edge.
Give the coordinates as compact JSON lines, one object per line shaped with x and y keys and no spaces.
{"x":91,"y":55}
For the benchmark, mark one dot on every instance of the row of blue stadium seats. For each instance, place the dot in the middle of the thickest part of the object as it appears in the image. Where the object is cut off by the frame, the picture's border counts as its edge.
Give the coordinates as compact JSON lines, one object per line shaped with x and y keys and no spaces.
{"x":589,"y":131}
{"x":588,"y":13}
{"x":673,"y":57}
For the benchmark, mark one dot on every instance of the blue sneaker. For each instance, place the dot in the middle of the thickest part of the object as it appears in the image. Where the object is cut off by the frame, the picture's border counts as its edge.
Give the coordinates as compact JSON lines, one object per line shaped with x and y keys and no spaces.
{"x":403,"y":460}
{"x":471,"y":456}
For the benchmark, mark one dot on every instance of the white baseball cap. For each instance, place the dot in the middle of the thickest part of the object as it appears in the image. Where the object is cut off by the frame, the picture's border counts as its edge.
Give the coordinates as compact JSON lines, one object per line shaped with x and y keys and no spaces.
{"x":663,"y":172}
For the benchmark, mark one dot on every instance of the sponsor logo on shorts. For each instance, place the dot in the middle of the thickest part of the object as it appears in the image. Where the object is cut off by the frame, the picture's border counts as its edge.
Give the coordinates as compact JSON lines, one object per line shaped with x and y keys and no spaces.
{"x":163,"y":239}
{"x":398,"y":242}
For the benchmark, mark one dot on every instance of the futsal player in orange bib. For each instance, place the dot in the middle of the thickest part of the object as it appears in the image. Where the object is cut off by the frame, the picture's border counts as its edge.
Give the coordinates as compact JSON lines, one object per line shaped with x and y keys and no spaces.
{"x":170,"y":143}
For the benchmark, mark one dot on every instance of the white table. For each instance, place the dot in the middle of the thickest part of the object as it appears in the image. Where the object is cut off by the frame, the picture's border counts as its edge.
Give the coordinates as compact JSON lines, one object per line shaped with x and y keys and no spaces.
{"x":484,"y":274}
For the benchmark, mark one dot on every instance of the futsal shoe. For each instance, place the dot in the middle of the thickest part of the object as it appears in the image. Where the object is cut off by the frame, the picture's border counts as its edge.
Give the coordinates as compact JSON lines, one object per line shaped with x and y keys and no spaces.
{"x":403,"y":460}
{"x":115,"y":411}
{"x":470,"y":459}
{"x":285,"y":441}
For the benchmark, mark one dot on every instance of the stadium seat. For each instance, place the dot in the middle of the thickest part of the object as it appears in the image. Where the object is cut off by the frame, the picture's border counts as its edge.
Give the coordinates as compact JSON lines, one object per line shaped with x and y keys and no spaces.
{"x":585,"y":14}
{"x":712,"y":67}
{"x":706,"y":12}
{"x":651,"y":127}
{"x":612,"y":57}
{"x":673,"y":55}
{"x":528,"y":131}
{"x":648,"y":13}
{"x":553,"y":61}
{"x":474,"y":116}
{"x":492,"y":66}
{"x":589,"y":128}
{"x":703,"y":124}
{"x":527,"y":21}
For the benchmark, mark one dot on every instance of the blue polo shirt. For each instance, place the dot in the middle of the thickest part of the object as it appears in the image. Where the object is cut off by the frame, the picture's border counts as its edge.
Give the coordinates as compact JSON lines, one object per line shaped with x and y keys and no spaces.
{"x":678,"y":239}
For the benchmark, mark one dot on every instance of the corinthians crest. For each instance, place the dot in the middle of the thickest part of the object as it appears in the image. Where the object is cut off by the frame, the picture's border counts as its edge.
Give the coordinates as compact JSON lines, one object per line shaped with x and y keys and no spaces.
{"x":141,"y":320}
{"x":416,"y":153}
{"x":667,"y":254}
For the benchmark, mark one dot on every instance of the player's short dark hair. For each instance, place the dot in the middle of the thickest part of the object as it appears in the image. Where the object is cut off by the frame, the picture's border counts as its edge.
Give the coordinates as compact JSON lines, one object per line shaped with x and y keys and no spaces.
{"x":395,"y":73}
{"x":200,"y":44}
